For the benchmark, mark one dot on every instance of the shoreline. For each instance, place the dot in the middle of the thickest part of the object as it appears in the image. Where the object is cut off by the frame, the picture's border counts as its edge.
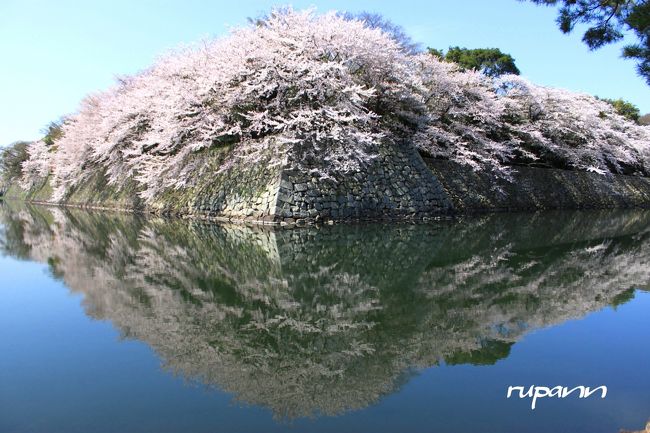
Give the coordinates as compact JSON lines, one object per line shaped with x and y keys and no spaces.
{"x":441,"y":190}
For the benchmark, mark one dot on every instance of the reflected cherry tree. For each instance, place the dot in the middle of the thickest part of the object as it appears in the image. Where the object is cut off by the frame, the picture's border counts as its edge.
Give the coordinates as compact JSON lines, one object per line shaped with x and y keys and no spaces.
{"x":323,"y":320}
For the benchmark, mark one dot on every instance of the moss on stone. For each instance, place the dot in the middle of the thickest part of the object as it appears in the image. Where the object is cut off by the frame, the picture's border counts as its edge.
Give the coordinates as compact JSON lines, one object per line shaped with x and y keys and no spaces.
{"x":96,"y":191}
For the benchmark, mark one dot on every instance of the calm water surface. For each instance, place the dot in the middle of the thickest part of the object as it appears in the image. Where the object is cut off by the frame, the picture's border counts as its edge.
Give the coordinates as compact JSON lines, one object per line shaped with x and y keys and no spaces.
{"x":114,"y":323}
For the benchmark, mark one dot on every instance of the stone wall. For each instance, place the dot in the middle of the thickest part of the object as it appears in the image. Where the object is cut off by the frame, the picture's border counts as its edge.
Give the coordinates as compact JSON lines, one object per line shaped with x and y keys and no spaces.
{"x":277,"y":189}
{"x":241,"y":192}
{"x":538,"y":188}
{"x":396,"y":185}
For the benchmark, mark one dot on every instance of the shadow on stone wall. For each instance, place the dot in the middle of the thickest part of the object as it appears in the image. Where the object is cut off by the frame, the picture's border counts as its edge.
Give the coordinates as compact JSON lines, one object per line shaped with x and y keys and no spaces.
{"x":316,"y":321}
{"x":533,"y":188}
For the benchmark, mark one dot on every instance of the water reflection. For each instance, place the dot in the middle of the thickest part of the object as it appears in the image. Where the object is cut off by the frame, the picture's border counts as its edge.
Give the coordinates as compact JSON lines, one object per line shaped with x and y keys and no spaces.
{"x":325,"y":320}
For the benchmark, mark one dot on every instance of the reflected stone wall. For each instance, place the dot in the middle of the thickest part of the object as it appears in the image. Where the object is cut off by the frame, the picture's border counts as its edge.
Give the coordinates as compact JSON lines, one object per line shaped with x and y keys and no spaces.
{"x":315,"y":321}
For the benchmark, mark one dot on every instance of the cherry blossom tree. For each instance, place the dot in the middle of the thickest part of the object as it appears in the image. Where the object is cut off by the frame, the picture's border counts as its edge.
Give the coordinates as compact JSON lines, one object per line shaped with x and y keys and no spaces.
{"x":38,"y":164}
{"x":334,"y":85}
{"x":575,"y":130}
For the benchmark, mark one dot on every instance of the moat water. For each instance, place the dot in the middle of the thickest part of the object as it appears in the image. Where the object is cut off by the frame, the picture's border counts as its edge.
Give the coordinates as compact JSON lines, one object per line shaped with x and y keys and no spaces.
{"x":117,"y":323}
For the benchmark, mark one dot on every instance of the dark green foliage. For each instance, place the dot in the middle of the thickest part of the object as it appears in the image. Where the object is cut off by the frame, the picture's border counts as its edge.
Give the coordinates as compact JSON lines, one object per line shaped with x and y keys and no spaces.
{"x":490,"y":61}
{"x":608,"y":21}
{"x":53,"y":131}
{"x":624,"y":108}
{"x":436,"y":53}
{"x":11,"y":160}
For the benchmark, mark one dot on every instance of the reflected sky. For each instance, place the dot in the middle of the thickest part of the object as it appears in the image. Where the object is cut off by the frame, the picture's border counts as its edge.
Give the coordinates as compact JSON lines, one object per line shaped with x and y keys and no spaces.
{"x":112,"y":322}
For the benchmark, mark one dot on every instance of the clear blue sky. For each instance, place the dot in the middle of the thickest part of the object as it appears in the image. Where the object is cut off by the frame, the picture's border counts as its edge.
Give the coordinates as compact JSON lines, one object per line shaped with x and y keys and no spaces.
{"x":55,"y":52}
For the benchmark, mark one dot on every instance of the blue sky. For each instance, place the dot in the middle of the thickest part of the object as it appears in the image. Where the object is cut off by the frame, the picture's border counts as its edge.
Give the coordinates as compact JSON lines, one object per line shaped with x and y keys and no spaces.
{"x":55,"y":52}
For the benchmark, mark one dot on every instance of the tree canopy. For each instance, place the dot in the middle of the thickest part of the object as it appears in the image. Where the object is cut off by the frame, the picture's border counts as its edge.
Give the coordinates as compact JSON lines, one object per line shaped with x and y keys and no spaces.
{"x":490,"y":61}
{"x":329,"y":88}
{"x":608,"y":20}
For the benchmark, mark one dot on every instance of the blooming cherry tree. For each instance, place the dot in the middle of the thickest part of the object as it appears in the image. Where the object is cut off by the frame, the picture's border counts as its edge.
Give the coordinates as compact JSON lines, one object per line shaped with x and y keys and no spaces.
{"x":38,"y":165}
{"x":336,"y":87}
